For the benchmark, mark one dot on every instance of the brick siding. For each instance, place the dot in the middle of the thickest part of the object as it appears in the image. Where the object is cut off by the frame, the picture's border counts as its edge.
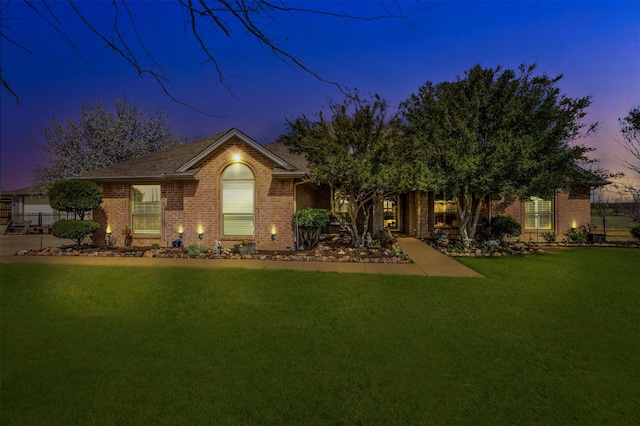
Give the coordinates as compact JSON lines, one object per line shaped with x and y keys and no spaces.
{"x":570,"y":210}
{"x":195,"y":206}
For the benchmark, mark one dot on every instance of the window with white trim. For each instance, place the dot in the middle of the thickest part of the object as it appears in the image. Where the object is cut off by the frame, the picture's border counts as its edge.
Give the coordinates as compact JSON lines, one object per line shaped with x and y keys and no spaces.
{"x":146,"y":205}
{"x":238,"y":195}
{"x":538,"y":214}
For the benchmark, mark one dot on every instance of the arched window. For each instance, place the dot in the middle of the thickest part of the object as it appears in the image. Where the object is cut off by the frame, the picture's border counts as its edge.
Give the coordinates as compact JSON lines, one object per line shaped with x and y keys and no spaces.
{"x":238,"y":187}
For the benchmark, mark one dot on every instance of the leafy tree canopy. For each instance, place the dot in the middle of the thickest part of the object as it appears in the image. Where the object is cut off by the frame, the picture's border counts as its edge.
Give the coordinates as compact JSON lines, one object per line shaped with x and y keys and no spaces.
{"x":495,"y":130}
{"x":356,"y":150}
{"x":100,"y":138}
{"x":75,"y":196}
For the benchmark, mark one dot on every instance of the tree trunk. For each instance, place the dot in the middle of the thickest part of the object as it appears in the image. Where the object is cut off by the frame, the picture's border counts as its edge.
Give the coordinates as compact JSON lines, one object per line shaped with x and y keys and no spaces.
{"x":468,"y":216}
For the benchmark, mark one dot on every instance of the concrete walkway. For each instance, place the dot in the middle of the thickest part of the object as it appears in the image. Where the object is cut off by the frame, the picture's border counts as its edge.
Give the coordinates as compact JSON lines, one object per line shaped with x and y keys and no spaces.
{"x":427,"y":261}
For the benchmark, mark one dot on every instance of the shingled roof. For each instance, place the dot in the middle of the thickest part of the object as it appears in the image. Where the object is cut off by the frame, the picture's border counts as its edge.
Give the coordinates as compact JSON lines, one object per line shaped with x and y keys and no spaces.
{"x":298,"y":161}
{"x":182,"y":162}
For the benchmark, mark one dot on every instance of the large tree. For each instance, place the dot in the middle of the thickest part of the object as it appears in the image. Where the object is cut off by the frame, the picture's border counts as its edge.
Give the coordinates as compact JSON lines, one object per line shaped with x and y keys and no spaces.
{"x":101,"y":137}
{"x":356,"y":149}
{"x":494,"y":130}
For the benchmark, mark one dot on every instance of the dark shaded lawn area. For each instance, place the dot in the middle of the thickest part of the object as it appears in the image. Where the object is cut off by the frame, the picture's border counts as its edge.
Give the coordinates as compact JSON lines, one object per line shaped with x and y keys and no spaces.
{"x":551,"y":338}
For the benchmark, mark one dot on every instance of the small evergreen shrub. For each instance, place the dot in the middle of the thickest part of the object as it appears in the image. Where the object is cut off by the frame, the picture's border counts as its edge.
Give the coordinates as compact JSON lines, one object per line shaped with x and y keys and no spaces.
{"x":75,"y":230}
{"x":549,"y":237}
{"x":383,"y":237}
{"x":503,"y":227}
{"x":310,"y":222}
{"x":311,"y":218}
{"x":374,"y":244}
{"x":155,"y":246}
{"x":635,"y":231}
{"x":195,"y":251}
{"x":575,"y":236}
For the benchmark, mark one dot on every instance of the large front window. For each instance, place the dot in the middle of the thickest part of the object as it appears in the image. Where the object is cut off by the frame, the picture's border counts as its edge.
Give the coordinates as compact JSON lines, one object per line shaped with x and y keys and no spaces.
{"x":145,"y":209}
{"x":238,"y":200}
{"x":445,"y":211}
{"x":538,"y":214}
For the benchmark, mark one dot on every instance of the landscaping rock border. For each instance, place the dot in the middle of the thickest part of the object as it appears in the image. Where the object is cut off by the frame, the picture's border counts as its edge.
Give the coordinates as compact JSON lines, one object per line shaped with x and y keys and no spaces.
{"x":494,"y":249}
{"x":320,"y":253}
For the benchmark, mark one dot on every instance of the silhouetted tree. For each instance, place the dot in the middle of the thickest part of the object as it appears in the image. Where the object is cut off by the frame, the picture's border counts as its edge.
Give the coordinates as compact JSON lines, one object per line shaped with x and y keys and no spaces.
{"x":100,"y":138}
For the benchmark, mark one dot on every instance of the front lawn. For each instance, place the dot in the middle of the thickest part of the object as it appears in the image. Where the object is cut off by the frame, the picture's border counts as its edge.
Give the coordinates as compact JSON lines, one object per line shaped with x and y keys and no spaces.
{"x":544,"y":339}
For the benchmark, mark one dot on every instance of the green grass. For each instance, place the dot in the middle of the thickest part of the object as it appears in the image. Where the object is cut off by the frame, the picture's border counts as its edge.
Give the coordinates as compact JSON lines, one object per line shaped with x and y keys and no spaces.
{"x":544,"y":339}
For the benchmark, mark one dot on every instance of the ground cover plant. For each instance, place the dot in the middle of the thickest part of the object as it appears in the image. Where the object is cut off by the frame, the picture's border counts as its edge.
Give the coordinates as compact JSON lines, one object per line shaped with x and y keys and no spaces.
{"x":548,"y":339}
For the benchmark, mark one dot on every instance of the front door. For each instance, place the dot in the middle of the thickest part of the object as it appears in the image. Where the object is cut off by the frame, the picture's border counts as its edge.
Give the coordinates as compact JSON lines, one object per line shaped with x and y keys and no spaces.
{"x":391,"y":213}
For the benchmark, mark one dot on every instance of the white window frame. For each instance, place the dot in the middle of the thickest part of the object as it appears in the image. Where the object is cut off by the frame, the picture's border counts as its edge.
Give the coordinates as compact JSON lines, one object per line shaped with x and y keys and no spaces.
{"x":538,"y":214}
{"x":234,"y":210}
{"x":151,"y":209}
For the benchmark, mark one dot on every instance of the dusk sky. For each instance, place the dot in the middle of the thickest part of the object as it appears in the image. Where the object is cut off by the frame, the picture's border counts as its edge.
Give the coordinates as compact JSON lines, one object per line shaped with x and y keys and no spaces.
{"x":595,"y":45}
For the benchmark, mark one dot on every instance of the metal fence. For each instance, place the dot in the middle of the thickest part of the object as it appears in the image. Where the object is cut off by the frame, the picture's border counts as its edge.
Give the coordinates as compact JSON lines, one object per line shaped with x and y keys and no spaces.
{"x":46,"y":219}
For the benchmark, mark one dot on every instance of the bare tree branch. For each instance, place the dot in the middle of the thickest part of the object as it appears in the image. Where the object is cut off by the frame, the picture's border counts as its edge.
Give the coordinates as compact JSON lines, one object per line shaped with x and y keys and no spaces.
{"x":53,"y":25}
{"x":252,"y":16}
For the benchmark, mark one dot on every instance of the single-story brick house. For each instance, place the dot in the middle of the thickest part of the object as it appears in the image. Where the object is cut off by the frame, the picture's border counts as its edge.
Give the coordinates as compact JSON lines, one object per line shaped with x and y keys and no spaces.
{"x":229,"y":188}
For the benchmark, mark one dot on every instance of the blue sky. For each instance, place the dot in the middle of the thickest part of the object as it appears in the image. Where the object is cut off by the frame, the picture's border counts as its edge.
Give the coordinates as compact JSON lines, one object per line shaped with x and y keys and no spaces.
{"x":595,"y":45}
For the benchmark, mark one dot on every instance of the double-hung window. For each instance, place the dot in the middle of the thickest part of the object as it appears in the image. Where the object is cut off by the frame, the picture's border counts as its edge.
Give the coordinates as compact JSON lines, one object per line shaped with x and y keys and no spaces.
{"x":146,"y":201}
{"x":538,"y":214}
{"x":238,"y":188}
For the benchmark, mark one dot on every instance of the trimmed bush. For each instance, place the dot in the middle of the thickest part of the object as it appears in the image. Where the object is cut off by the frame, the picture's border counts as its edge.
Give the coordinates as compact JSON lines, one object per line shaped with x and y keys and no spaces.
{"x":311,"y":218}
{"x":310,"y":222}
{"x":75,"y":196}
{"x":75,"y":230}
{"x":503,"y":227}
{"x":635,"y":231}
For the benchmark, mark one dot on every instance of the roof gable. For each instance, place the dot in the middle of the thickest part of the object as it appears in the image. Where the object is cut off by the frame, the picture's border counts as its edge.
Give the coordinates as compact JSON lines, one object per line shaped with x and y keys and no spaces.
{"x":181,"y":162}
{"x":224,"y":139}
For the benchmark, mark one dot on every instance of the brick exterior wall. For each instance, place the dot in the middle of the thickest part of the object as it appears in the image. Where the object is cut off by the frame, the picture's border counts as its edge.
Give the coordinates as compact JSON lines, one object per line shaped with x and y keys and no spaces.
{"x":195,"y":206}
{"x":570,"y":210}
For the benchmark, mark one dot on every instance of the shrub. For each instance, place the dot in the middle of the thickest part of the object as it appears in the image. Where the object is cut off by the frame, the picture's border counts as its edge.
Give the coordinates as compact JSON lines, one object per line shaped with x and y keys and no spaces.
{"x":311,"y":218}
{"x":384,"y":237}
{"x":75,"y":230}
{"x":549,"y":237}
{"x":310,"y":222}
{"x":503,"y":227}
{"x":635,"y":231}
{"x":155,"y":246}
{"x":195,"y":251}
{"x":75,"y":196}
{"x":575,"y":236}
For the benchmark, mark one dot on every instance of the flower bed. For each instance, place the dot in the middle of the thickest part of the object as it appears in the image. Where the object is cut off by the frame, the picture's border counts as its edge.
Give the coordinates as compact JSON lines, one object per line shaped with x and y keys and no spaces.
{"x":331,"y":249}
